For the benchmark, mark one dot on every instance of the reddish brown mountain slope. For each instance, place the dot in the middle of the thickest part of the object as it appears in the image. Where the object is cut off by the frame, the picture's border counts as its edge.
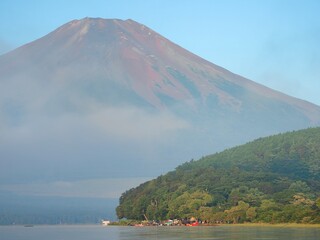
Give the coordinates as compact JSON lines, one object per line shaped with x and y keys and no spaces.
{"x":135,"y":58}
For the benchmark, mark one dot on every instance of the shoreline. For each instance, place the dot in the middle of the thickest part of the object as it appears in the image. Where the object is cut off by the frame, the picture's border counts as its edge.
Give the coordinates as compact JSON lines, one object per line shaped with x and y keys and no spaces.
{"x":247,"y":224}
{"x":283,"y":225}
{"x":280,"y":225}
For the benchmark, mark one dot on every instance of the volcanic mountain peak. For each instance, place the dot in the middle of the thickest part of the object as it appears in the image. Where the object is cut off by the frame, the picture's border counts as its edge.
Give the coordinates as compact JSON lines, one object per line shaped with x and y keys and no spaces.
{"x":129,"y":54}
{"x":99,"y":29}
{"x":120,"y":58}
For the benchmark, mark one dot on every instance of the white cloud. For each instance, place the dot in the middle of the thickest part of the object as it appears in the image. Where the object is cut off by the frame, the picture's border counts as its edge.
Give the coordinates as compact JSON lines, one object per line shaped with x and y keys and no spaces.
{"x":134,"y":124}
{"x":95,"y":188}
{"x":98,"y":142}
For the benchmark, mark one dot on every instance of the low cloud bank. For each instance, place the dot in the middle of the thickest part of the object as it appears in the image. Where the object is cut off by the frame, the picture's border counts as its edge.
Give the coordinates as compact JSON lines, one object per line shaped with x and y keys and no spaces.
{"x":90,"y":188}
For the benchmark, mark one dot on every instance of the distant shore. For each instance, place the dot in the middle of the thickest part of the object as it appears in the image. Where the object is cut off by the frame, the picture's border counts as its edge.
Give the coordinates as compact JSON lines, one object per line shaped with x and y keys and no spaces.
{"x":280,"y":225}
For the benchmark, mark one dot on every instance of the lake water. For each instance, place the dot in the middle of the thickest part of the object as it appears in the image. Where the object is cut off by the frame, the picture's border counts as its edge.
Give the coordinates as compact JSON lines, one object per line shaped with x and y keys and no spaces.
{"x":95,"y":232}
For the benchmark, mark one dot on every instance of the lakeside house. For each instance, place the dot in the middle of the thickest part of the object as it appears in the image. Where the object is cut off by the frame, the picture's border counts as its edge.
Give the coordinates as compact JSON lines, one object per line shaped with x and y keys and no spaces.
{"x":105,"y":222}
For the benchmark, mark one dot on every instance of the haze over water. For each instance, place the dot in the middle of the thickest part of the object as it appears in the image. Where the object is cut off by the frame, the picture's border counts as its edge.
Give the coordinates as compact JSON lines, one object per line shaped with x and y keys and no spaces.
{"x":94,"y":232}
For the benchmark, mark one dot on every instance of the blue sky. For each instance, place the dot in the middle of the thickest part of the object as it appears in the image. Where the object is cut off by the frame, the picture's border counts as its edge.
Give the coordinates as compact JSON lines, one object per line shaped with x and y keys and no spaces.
{"x":272,"y":42}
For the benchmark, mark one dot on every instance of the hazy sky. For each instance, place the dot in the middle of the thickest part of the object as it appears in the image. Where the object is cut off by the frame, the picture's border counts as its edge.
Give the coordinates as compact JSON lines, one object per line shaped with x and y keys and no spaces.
{"x":272,"y":42}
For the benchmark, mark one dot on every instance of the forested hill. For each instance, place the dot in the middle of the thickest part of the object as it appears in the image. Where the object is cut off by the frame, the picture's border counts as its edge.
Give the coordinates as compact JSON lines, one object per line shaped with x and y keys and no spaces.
{"x":273,"y":179}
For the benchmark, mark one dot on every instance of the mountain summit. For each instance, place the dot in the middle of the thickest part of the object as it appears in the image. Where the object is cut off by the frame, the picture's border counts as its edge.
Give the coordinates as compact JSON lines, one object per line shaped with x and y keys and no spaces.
{"x":122,"y":80}
{"x":128,"y":56}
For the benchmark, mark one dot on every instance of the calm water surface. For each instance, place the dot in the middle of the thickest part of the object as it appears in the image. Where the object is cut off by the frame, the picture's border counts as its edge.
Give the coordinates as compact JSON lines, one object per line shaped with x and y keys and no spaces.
{"x":95,"y":232}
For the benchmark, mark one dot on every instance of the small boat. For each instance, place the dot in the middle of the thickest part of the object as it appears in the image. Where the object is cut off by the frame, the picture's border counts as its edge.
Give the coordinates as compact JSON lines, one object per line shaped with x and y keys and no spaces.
{"x":195,"y":224}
